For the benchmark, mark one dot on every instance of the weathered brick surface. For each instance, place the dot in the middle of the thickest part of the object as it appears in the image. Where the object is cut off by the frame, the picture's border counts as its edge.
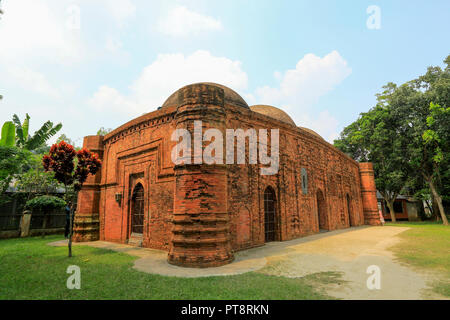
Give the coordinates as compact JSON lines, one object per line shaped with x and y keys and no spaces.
{"x":201,"y":214}
{"x":369,"y":194}
{"x":86,"y":223}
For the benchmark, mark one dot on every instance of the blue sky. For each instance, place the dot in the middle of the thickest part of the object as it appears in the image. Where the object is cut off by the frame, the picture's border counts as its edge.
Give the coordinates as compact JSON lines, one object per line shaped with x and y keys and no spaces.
{"x":92,"y":64}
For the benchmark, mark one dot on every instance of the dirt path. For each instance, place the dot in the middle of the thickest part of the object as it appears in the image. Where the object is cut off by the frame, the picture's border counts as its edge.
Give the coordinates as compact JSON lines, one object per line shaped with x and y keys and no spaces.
{"x":348,"y":252}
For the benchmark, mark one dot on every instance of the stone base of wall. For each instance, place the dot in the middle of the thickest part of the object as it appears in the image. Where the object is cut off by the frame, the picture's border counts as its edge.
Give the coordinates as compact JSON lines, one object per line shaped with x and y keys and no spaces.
{"x":38,"y":232}
{"x":32,"y":233}
{"x":184,"y":261}
{"x":86,"y":228}
{"x":9,"y":234}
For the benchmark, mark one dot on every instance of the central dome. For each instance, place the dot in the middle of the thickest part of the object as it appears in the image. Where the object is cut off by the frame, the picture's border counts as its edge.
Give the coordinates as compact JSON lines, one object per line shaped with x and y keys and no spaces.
{"x":231,"y":96}
{"x":273,"y":113}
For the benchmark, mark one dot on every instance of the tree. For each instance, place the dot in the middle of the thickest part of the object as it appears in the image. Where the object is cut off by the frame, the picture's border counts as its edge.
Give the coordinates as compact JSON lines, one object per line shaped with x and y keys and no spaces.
{"x":373,"y":137}
{"x":71,"y":168}
{"x":63,"y":137}
{"x":15,"y":133}
{"x":8,"y":138}
{"x":425,"y":125}
{"x":103,"y":131}
{"x":13,"y":161}
{"x":36,"y":181}
{"x":407,"y":136}
{"x":436,"y":144}
{"x":44,"y":204}
{"x":26,"y":141}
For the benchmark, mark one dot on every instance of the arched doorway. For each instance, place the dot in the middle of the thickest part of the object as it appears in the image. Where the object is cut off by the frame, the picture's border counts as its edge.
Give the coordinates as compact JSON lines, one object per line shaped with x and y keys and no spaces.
{"x":321,"y":211}
{"x":349,"y":211}
{"x":270,"y":215}
{"x":137,"y":210}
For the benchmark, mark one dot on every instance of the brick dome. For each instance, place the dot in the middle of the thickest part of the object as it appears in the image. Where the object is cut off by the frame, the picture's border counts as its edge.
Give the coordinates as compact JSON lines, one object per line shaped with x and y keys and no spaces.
{"x":273,"y":113}
{"x":312,"y":132}
{"x":231,"y":96}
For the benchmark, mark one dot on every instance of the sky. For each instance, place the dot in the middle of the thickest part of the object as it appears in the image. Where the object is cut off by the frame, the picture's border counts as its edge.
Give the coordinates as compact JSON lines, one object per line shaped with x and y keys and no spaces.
{"x":100,"y":63}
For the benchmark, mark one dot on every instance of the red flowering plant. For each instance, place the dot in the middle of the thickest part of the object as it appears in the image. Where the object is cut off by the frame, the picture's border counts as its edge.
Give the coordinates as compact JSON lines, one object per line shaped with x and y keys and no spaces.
{"x":71,"y":168}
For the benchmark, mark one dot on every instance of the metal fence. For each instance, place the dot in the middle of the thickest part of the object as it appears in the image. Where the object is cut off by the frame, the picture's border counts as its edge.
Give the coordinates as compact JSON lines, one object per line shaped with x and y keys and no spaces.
{"x":48,"y":221}
{"x":10,"y":222}
{"x":39,"y":221}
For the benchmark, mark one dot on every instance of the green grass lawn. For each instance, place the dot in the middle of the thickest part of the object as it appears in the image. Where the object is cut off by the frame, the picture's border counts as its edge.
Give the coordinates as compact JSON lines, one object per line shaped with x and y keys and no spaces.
{"x":30,"y":269}
{"x":427,"y":246}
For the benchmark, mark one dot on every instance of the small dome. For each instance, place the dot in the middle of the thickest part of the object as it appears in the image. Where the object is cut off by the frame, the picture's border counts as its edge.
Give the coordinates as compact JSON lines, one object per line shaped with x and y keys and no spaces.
{"x":273,"y":113}
{"x":231,"y":96}
{"x":312,"y":132}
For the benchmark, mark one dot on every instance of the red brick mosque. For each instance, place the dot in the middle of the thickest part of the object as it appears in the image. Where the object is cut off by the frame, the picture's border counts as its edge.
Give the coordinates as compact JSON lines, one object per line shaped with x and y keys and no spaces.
{"x":202,"y":213}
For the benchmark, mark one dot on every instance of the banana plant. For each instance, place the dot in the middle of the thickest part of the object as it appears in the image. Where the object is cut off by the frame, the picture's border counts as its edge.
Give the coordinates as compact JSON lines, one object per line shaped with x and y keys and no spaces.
{"x":16,"y":133}
{"x":8,"y":138}
{"x":21,"y":130}
{"x":47,"y":131}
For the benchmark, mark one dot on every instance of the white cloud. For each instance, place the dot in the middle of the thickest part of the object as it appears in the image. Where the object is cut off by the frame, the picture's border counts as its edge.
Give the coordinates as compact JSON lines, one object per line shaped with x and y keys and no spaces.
{"x":300,"y":88}
{"x":120,"y":11}
{"x":312,"y":78}
{"x":110,"y":99}
{"x":112,"y":44}
{"x":324,"y":124}
{"x":35,"y":34}
{"x":32,"y":81}
{"x":32,"y":29}
{"x":181,"y":21}
{"x":164,"y":76}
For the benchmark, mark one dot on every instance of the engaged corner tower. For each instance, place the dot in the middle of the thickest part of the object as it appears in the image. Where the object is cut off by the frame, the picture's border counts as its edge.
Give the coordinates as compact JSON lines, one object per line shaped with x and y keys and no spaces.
{"x":200,"y":234}
{"x":369,"y":194}
{"x":86,"y":224}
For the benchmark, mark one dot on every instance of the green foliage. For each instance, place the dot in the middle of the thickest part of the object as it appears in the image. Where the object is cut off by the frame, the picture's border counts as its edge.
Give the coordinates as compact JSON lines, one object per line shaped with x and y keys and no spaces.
{"x":16,"y":133}
{"x":31,"y":269}
{"x":406,"y":135}
{"x":21,"y":130}
{"x":45,"y":203}
{"x":43,"y":149}
{"x":13,"y":161}
{"x":425,"y":246}
{"x":373,"y":137}
{"x":437,"y":136}
{"x":47,"y":131}
{"x":8,"y":134}
{"x":65,"y":138}
{"x":36,"y":180}
{"x":103,"y":131}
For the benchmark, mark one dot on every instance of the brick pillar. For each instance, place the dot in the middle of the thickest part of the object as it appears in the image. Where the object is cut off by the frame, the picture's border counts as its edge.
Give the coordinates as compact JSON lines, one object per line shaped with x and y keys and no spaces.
{"x":200,"y":234}
{"x":369,"y":194}
{"x":86,"y":223}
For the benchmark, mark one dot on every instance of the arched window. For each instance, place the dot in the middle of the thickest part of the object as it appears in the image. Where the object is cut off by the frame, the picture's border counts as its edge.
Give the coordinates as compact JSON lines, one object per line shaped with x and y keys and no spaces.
{"x":349,"y":211}
{"x":270,"y":215}
{"x":321,"y":210}
{"x":304,"y":176}
{"x":137,"y":210}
